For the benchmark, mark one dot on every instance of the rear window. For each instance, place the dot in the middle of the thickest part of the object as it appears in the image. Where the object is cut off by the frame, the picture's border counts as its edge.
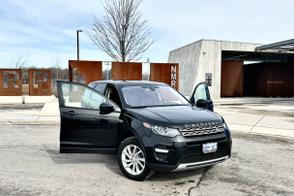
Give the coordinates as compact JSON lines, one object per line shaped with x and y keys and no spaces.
{"x":100,"y":88}
{"x":92,"y":85}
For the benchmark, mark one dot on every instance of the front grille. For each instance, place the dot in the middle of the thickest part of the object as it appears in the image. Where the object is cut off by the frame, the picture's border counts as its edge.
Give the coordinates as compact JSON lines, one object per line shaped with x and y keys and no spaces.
{"x":202,"y":129}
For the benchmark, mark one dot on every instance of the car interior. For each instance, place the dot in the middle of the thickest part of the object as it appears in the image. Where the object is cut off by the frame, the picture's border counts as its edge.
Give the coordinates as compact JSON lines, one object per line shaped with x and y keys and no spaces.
{"x":112,"y":94}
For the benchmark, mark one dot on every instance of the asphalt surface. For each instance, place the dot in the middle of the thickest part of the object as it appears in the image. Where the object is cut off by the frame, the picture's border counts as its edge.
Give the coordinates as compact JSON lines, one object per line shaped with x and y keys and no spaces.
{"x":30,"y":164}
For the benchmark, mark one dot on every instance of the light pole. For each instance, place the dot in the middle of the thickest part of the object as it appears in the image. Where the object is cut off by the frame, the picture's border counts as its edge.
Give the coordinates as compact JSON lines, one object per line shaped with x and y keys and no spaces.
{"x":107,"y":70}
{"x":78,"y":44}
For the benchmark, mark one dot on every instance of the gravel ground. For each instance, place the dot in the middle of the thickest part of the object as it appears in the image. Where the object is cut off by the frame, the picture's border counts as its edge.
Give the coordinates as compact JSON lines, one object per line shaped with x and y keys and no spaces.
{"x":30,"y":164}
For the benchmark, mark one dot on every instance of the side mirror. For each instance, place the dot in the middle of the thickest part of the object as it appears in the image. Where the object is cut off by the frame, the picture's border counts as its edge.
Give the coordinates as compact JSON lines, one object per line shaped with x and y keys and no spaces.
{"x":201,"y":103}
{"x":106,"y":108}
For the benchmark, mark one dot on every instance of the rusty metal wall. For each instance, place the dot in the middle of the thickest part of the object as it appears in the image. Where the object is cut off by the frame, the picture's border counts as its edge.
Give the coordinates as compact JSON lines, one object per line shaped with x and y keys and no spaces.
{"x":40,"y":82}
{"x":85,"y":71}
{"x":10,"y":82}
{"x":232,"y":74}
{"x":165,"y":72}
{"x":126,"y":71}
{"x":268,"y":79}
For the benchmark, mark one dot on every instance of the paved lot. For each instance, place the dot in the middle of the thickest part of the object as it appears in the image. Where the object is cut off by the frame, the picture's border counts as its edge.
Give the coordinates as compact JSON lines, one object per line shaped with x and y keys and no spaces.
{"x":30,"y":164}
{"x":267,"y":117}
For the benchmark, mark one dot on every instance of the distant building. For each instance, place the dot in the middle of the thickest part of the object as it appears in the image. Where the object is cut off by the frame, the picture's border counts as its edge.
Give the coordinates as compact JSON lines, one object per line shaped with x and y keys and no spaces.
{"x":237,"y":69}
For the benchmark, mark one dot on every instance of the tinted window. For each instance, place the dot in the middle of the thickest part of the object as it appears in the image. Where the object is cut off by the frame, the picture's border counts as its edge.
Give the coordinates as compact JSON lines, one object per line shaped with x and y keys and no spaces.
{"x":112,"y":94}
{"x":200,"y":93}
{"x":144,"y":96}
{"x":100,"y":88}
{"x":79,"y":96}
{"x":92,"y":85}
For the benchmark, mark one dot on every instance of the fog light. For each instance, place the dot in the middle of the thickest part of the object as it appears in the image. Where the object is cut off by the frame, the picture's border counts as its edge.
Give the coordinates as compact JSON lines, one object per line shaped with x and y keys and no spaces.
{"x":160,"y":150}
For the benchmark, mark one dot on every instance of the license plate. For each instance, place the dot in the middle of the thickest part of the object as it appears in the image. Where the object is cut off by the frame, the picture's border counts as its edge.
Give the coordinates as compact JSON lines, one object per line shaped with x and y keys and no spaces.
{"x":209,"y":148}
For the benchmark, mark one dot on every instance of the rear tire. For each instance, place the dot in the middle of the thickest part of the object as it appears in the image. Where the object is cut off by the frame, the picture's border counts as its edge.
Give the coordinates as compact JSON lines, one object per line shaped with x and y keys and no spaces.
{"x":132,"y":159}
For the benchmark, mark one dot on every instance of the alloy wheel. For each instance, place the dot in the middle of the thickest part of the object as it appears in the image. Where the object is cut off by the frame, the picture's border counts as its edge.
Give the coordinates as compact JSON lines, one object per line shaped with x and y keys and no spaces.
{"x":133,"y":159}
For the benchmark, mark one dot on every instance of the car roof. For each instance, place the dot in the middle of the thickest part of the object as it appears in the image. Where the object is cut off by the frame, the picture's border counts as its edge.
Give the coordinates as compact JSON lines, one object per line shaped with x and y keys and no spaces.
{"x":128,"y":82}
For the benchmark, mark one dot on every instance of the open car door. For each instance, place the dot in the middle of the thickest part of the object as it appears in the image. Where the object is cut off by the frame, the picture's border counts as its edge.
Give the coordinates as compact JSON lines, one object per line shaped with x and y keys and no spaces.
{"x":89,"y":121}
{"x":201,"y":97}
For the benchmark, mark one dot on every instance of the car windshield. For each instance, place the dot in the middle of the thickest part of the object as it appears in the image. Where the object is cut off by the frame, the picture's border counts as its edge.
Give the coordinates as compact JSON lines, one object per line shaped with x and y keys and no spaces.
{"x":148,"y":96}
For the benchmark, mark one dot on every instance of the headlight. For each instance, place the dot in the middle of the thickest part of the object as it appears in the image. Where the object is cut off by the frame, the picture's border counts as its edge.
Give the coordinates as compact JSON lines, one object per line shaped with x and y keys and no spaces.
{"x":225,"y":125}
{"x":164,"y":131}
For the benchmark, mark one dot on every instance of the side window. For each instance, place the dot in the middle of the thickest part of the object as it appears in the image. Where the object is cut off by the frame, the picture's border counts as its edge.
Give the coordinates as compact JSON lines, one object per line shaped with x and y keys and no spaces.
{"x":79,"y":96}
{"x":200,"y":93}
{"x":100,"y":88}
{"x":112,"y":94}
{"x":92,"y":85}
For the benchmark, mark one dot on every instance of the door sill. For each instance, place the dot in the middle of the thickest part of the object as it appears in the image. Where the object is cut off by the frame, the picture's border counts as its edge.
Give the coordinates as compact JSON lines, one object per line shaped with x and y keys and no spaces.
{"x":88,"y":150}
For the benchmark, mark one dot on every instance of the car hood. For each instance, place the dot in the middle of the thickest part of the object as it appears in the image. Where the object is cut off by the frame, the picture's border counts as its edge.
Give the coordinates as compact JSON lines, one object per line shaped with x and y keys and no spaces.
{"x":174,"y":115}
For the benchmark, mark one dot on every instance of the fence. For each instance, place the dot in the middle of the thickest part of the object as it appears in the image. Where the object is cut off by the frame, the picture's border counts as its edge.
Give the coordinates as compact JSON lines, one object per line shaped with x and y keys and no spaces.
{"x":87,"y":71}
{"x":40,"y":81}
{"x":10,"y":82}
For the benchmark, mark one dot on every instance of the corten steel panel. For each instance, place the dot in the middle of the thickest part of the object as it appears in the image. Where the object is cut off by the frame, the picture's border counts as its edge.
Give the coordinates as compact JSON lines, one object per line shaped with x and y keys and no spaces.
{"x":85,"y":71}
{"x":10,"y":82}
{"x":39,"y":82}
{"x":232,"y":74}
{"x":269,"y":79}
{"x":126,"y":71}
{"x":165,"y":72}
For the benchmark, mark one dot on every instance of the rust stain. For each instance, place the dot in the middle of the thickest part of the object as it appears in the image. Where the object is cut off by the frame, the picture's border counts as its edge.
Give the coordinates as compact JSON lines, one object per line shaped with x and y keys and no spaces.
{"x":84,"y":71}
{"x":126,"y":71}
{"x":165,"y":72}
{"x":39,"y":82}
{"x":10,"y":82}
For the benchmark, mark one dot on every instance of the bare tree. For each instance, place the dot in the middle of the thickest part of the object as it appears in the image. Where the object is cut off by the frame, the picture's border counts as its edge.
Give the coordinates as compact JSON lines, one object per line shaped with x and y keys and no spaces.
{"x":121,"y":33}
{"x":21,"y":62}
{"x":57,"y":64}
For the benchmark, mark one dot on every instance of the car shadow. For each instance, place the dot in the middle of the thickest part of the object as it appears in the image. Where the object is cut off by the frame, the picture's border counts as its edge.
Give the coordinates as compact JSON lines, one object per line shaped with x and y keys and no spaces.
{"x":109,"y":160}
{"x":164,"y":176}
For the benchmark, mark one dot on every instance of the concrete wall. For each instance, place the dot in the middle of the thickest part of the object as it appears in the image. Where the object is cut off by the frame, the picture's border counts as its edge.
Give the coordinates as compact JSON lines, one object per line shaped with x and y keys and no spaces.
{"x":203,"y":56}
{"x":187,"y":56}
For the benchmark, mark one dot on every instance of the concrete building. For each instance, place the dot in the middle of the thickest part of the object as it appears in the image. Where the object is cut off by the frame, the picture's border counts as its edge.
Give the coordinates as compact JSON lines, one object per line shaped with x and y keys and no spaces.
{"x":237,"y":69}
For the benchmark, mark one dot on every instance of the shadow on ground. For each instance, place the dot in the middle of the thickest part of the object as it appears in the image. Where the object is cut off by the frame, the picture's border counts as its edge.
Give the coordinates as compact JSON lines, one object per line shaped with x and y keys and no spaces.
{"x":110,"y":162}
{"x":163,"y":176}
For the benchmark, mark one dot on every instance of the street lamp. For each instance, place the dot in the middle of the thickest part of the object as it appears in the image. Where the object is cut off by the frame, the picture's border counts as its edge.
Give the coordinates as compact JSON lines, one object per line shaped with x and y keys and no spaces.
{"x":78,"y":44}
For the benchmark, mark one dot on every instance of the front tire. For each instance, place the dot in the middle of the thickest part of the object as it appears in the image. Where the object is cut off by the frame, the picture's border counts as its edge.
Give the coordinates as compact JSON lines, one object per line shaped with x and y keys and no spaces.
{"x":132,"y":159}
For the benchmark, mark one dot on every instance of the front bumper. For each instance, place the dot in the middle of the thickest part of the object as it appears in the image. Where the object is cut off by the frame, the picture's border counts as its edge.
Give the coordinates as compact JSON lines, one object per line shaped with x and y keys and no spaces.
{"x":188,"y":166}
{"x":184,"y":153}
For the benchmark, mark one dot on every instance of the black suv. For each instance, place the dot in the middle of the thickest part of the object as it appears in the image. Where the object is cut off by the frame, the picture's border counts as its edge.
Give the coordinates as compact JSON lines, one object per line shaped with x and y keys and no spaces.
{"x":150,"y":126}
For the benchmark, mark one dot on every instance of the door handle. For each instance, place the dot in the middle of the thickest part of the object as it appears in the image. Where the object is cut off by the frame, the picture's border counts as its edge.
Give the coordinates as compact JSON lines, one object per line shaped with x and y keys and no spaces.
{"x":70,"y":113}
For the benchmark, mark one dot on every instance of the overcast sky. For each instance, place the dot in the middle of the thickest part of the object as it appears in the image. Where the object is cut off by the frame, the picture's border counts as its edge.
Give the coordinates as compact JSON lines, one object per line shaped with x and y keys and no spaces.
{"x":44,"y":31}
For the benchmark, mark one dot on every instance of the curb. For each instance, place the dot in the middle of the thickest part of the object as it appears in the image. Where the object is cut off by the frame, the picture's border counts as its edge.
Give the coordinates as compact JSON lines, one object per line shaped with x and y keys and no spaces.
{"x":263,"y":136}
{"x":236,"y":132}
{"x":32,"y":123}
